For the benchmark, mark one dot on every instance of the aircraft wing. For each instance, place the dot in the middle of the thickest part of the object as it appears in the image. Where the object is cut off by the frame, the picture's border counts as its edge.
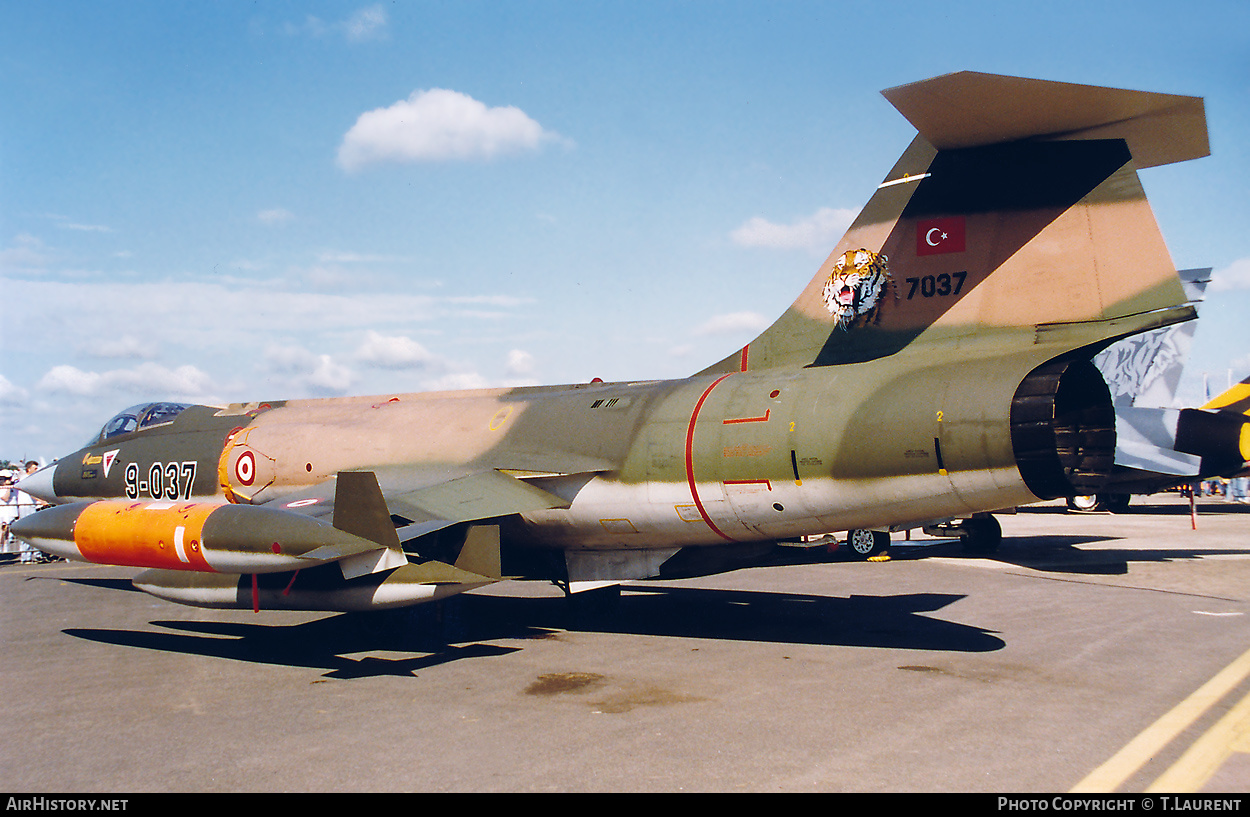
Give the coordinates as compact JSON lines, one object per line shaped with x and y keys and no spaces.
{"x":381,"y":510}
{"x":417,"y":503}
{"x":1156,"y":447}
{"x":395,"y":506}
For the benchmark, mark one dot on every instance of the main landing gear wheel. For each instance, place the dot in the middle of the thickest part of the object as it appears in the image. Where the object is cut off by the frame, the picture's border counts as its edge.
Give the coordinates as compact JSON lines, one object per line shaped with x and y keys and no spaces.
{"x":1115,"y":503}
{"x":981,"y":534}
{"x":864,"y":544}
{"x":1087,"y":502}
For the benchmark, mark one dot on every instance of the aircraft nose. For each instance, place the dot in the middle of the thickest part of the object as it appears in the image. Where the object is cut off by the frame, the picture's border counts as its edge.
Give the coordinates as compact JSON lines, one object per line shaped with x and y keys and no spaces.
{"x":39,"y":484}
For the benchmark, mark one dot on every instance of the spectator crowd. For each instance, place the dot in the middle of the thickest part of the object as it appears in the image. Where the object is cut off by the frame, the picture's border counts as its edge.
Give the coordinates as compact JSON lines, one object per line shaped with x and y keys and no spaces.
{"x":14,"y":504}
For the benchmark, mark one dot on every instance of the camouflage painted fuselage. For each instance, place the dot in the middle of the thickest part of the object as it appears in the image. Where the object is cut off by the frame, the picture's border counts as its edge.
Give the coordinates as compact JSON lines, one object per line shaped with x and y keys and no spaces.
{"x":936,"y":366}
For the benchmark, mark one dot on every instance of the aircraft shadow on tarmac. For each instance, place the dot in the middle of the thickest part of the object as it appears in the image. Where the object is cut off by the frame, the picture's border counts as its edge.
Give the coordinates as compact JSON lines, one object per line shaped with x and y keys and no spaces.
{"x":455,"y":629}
{"x":1205,"y":507}
{"x":325,"y":644}
{"x":1061,"y":554}
{"x":462,"y":627}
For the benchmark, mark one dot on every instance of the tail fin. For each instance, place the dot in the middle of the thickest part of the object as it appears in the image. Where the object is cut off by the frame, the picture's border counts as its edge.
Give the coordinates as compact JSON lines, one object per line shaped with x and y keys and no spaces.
{"x":1145,"y":370}
{"x":1236,"y":399}
{"x":1232,"y":404}
{"x":1016,"y":208}
{"x":360,"y":509}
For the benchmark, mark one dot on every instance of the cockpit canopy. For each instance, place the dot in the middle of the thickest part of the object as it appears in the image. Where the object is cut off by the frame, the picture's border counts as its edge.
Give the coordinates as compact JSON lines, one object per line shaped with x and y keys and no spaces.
{"x":140,"y":417}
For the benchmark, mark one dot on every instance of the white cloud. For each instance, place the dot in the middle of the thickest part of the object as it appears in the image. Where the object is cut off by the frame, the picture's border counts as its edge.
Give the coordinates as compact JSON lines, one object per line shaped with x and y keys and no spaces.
{"x":144,"y":379}
{"x":457,"y":381}
{"x":10,"y":394}
{"x":439,"y":125}
{"x":369,"y":23}
{"x":225,"y":329}
{"x":732,"y":323}
{"x":329,"y":377}
{"x":326,"y":277}
{"x":816,"y":233}
{"x":218,"y":314}
{"x":366,"y":24}
{"x":1235,"y":276}
{"x":306,"y":371}
{"x":342,"y":257}
{"x":87,"y":228}
{"x":395,"y":352}
{"x":275,"y":215}
{"x":65,"y":223}
{"x":521,"y":369}
{"x":520,"y":363}
{"x":124,"y":346}
{"x":26,"y":253}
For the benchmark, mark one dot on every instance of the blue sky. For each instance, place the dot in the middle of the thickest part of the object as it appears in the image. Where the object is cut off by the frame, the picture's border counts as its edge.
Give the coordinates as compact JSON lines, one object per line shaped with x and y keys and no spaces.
{"x":215,"y":202}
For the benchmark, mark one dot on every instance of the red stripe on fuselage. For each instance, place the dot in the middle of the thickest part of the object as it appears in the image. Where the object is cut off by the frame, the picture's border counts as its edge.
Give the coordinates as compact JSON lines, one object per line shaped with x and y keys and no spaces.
{"x":694,"y":491}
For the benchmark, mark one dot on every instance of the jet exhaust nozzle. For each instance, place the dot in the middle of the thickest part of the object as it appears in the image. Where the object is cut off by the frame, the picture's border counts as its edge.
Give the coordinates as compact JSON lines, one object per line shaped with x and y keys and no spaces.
{"x":1063,"y":429}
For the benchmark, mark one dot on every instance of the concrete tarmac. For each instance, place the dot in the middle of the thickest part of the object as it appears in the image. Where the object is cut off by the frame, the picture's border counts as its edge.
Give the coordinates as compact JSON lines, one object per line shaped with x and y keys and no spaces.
{"x":1092,"y":652}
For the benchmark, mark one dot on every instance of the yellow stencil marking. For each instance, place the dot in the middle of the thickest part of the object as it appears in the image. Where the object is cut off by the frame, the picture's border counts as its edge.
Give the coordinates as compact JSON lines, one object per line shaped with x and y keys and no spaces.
{"x":500,"y":418}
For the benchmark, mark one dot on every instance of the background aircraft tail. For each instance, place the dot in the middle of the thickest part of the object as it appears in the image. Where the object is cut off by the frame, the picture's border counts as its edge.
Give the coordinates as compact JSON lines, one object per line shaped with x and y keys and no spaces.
{"x":1016,"y":210}
{"x":1145,"y":370}
{"x":1235,"y":399}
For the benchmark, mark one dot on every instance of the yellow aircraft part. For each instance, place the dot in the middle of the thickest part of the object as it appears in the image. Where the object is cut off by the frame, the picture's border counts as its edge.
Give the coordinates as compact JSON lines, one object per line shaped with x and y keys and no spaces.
{"x":1235,"y":399}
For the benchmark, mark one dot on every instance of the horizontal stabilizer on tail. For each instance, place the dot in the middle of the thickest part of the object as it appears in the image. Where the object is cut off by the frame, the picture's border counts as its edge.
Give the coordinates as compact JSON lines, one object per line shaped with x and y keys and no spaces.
{"x":971,"y":109}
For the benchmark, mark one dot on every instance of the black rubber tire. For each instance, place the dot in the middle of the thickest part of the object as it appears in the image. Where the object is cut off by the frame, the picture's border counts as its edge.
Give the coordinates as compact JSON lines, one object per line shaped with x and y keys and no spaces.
{"x":982,"y":534}
{"x":864,"y":544}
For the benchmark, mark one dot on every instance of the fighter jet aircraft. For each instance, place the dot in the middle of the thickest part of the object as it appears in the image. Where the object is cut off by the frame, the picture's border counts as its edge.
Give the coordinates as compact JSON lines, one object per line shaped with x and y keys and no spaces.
{"x":1160,"y":448}
{"x":938,"y":366}
{"x":1160,"y":441}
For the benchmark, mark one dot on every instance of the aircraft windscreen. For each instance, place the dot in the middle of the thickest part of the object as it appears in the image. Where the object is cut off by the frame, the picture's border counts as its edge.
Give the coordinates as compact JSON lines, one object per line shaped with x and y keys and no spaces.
{"x":137,"y":418}
{"x":158,"y":414}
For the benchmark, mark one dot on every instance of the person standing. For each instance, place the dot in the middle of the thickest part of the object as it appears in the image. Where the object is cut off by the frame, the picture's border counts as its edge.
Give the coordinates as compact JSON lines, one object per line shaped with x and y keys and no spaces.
{"x":8,"y":509}
{"x":1237,"y":489}
{"x":26,"y":505}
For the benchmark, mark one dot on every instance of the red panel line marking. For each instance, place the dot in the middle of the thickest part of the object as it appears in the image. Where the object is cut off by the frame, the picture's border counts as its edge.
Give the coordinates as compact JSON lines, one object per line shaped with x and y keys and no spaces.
{"x":763,"y":419}
{"x":744,"y":357}
{"x":694,"y":492}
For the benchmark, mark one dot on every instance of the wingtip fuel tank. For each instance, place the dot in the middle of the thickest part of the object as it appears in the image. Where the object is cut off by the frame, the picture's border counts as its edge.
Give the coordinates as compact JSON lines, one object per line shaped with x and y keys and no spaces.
{"x":240,"y":556}
{"x":315,"y":589}
{"x":201,"y":536}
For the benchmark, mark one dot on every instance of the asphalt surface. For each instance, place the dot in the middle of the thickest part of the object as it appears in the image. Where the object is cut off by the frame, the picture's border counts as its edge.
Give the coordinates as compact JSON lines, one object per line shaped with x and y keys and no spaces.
{"x":1092,"y":652}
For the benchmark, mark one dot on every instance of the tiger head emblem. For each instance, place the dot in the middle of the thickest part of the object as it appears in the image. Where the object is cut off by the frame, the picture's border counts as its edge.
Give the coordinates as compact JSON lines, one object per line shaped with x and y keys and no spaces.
{"x":855,"y":286}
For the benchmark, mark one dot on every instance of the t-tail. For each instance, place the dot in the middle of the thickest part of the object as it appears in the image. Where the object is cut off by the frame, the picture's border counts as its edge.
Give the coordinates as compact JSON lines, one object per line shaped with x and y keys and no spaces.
{"x":1015,"y":218}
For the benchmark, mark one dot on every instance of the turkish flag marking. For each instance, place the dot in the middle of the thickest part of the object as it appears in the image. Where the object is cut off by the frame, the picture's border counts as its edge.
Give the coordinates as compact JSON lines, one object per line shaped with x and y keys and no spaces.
{"x":935,"y":236}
